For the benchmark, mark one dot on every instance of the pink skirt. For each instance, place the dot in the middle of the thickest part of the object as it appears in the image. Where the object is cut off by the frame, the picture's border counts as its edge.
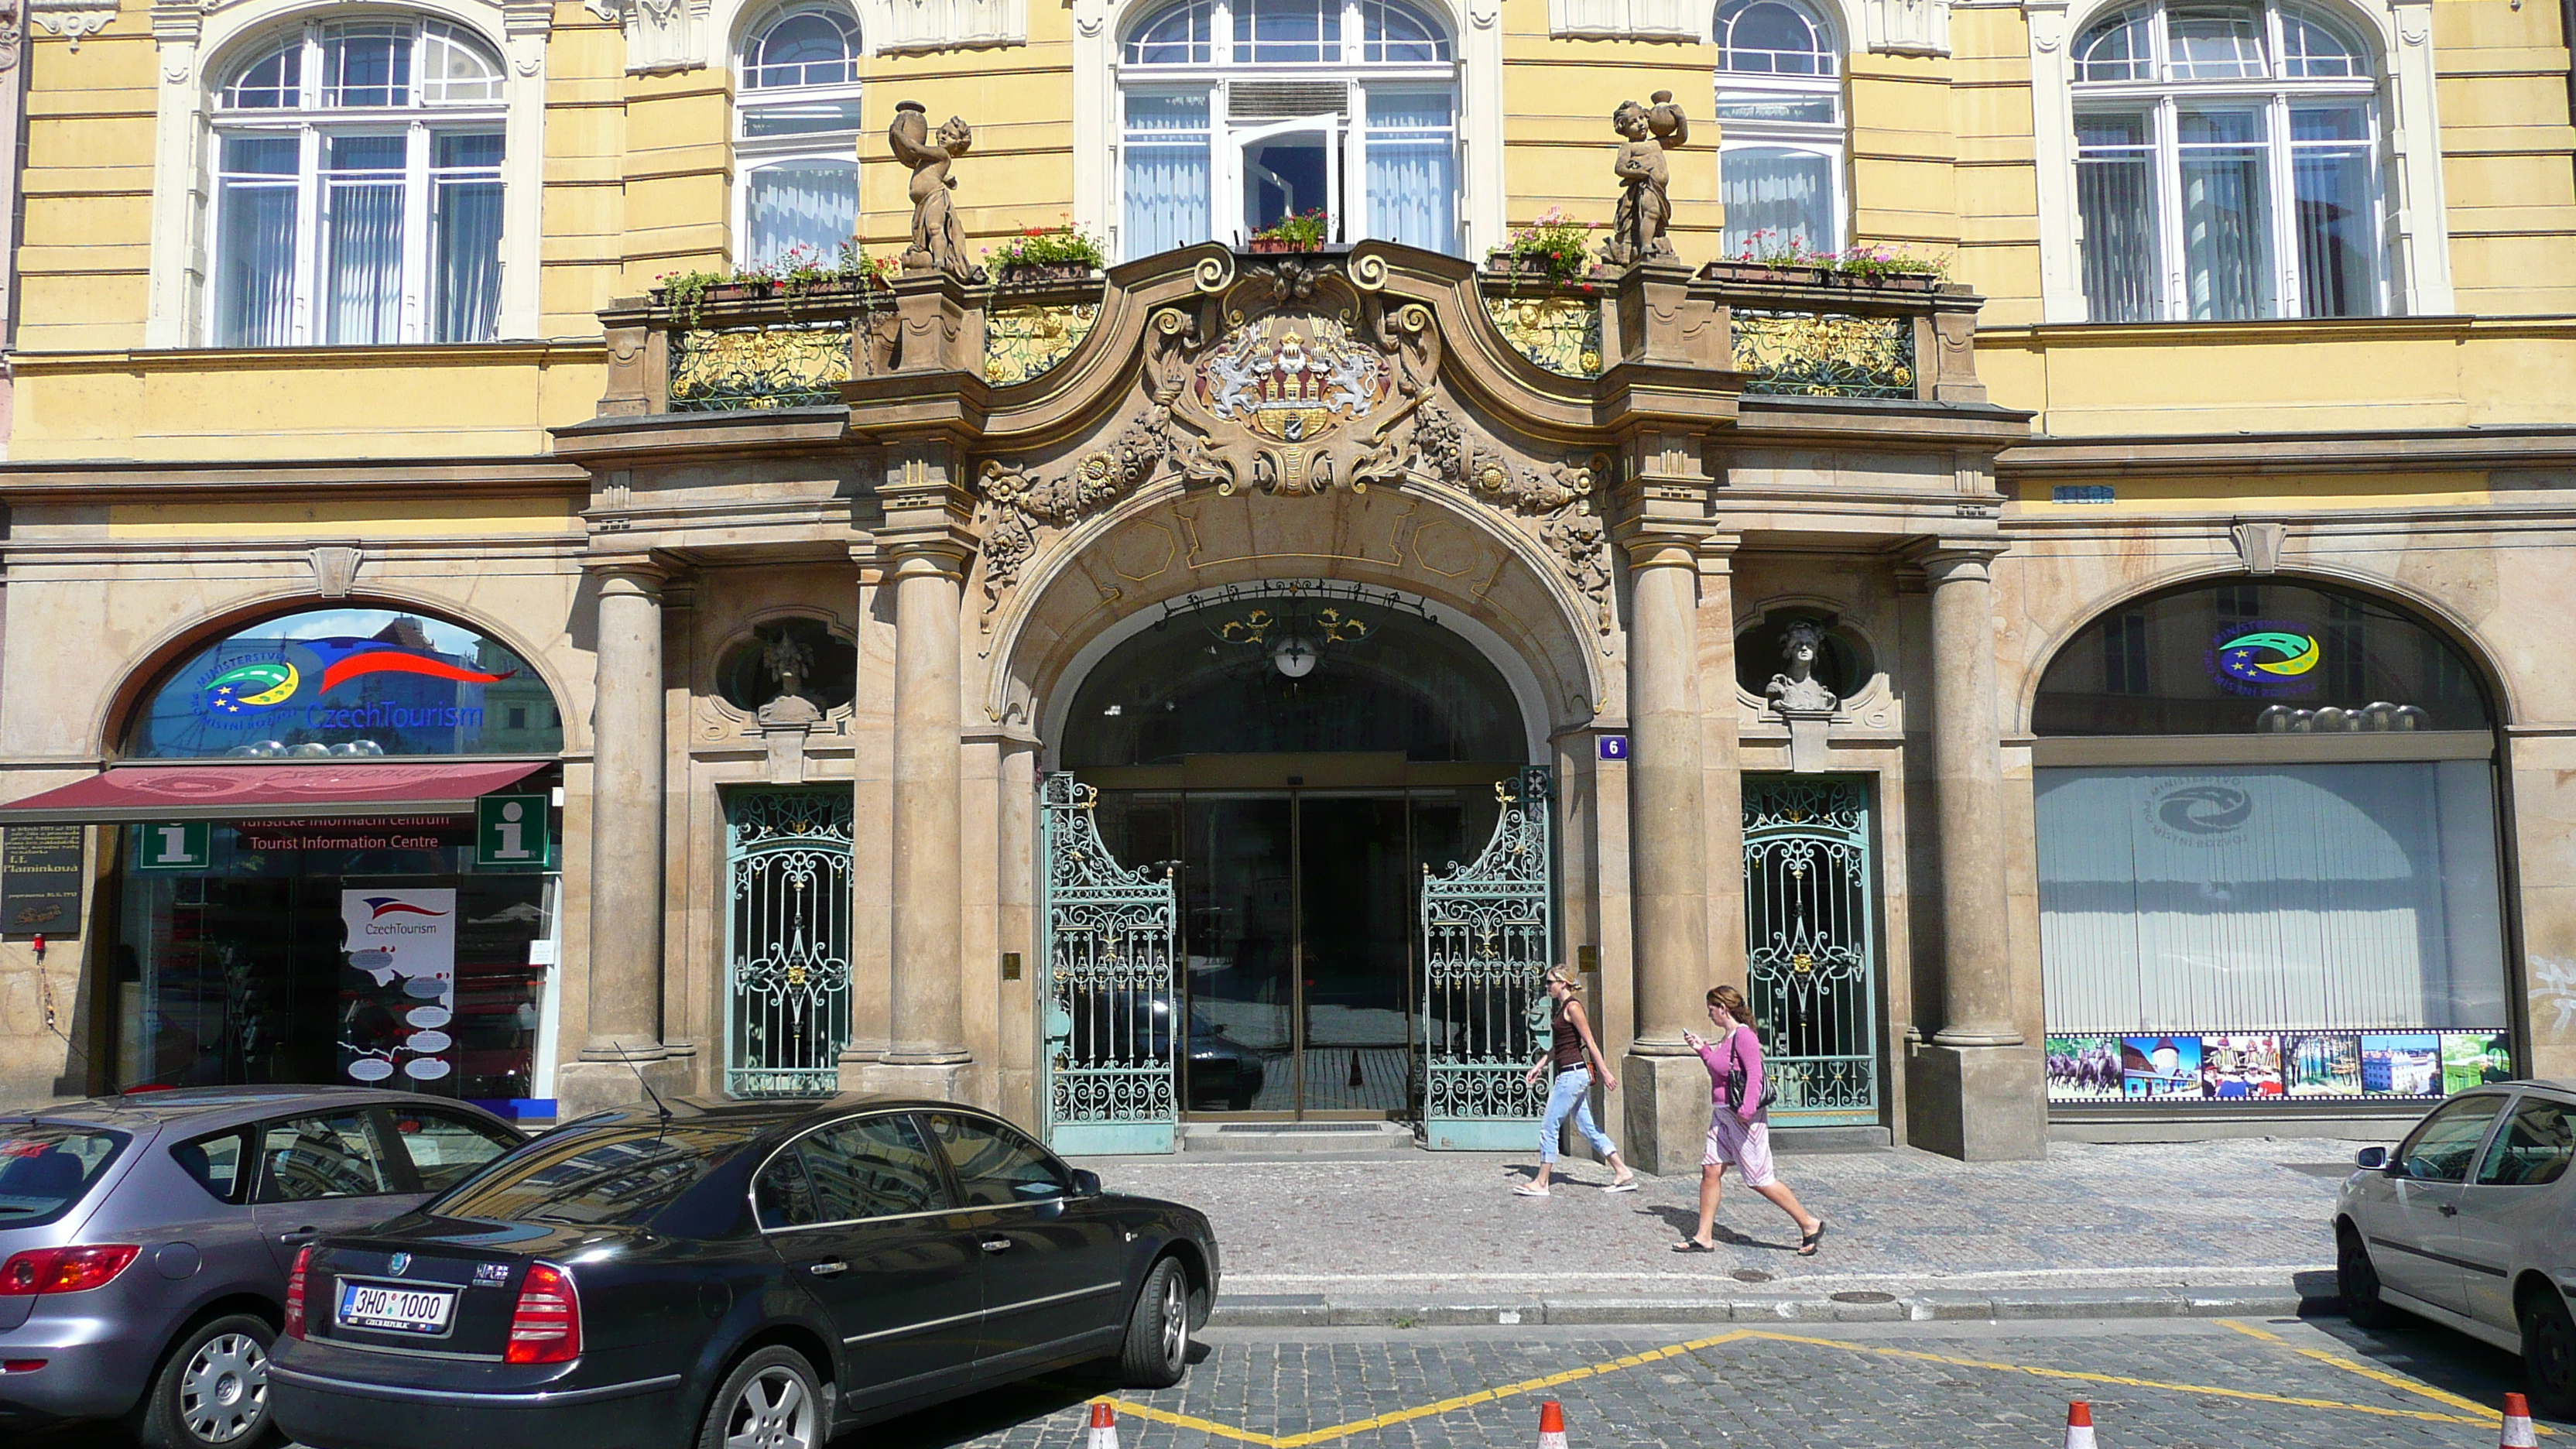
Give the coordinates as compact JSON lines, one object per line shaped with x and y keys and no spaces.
{"x":1735,"y":1142}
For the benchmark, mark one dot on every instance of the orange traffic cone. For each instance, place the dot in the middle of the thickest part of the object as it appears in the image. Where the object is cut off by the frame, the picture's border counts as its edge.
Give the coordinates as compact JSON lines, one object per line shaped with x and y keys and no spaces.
{"x":2079,"y":1425}
{"x":1104,"y":1425}
{"x":2517,"y":1424}
{"x":1551,"y":1425}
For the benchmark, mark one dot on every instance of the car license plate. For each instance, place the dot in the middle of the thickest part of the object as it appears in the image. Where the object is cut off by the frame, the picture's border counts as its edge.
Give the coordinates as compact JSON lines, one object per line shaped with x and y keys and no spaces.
{"x":396,"y":1310}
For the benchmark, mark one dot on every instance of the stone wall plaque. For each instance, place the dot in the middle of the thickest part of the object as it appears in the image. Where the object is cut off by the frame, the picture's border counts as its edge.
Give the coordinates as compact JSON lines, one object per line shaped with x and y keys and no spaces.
{"x":40,"y":880}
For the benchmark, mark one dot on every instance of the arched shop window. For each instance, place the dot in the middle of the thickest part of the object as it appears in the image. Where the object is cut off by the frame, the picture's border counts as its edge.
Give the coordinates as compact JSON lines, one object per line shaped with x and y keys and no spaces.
{"x":2268,"y":855}
{"x":315,"y":937}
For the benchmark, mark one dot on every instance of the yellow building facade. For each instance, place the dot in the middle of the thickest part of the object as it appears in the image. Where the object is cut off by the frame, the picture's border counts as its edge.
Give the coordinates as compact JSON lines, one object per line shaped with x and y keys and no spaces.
{"x":338,"y":339}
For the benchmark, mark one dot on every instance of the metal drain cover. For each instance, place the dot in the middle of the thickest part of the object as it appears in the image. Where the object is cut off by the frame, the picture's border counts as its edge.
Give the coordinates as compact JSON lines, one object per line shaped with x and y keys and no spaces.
{"x":1750,"y":1275}
{"x":1871,"y":1297}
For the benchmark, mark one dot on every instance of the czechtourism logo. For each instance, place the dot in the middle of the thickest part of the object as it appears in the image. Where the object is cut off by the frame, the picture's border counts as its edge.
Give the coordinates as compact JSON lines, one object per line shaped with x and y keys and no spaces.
{"x":2265,"y":659}
{"x":240,"y":688}
{"x":380,"y":907}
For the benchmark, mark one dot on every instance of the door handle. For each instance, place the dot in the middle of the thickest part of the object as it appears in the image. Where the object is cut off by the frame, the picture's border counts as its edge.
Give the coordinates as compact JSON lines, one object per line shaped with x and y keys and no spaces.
{"x":829,"y":1267}
{"x":2450,"y":1210}
{"x":304,"y":1234}
{"x":997,"y":1245}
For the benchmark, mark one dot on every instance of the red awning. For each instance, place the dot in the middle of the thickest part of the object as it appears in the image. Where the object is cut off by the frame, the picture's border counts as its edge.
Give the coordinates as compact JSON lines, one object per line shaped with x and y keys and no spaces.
{"x":255,"y":789}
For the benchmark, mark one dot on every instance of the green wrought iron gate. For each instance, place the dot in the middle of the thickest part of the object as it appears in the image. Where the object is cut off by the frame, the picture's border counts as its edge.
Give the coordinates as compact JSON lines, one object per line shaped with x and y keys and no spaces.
{"x":1110,"y":949}
{"x":1811,"y":946}
{"x":787,"y":941}
{"x":1488,"y":936}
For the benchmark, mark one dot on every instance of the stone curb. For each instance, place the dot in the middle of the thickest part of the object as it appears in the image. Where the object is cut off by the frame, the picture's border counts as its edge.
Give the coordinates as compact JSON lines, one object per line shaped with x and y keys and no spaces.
{"x":1315,"y":1310}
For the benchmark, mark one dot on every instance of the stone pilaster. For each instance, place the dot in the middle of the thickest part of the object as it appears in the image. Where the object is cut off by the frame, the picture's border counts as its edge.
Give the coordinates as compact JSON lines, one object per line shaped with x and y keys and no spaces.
{"x":1977,"y":1088}
{"x":624,"y":1047}
{"x":1663,"y":517}
{"x":924,"y":545}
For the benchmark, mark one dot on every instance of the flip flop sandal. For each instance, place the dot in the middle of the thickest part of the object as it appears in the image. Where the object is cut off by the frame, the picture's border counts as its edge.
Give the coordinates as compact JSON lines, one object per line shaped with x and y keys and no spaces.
{"x":1807,"y":1242}
{"x":1692,"y":1245}
{"x":1525,"y":1190}
{"x":1625,"y":1184}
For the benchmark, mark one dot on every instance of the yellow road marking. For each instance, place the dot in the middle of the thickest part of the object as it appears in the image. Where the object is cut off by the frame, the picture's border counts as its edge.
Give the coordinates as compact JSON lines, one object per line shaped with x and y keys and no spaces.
{"x":2485,"y":1413}
{"x":2477,"y":1413}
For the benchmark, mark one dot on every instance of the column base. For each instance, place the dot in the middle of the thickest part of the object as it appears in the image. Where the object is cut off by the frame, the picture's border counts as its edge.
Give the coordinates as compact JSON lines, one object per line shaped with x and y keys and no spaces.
{"x":937,"y":1081}
{"x":1666,"y":1112}
{"x":1978,"y":1103}
{"x":585,"y":1087}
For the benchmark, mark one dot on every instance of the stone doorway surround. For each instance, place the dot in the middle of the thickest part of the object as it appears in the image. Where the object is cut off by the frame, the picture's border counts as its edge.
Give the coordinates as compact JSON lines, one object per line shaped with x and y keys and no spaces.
{"x":1358,"y":414}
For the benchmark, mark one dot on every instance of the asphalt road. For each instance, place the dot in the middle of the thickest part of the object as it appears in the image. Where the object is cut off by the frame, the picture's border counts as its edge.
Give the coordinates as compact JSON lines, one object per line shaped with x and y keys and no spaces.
{"x":2173,"y":1383}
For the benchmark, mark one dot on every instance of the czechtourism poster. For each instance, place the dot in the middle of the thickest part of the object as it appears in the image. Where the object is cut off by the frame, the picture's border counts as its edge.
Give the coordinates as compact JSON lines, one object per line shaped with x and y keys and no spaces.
{"x":2322,"y":1064}
{"x":2401,"y":1064}
{"x":2160,"y":1066}
{"x":397,"y":983}
{"x":2083,"y":1068}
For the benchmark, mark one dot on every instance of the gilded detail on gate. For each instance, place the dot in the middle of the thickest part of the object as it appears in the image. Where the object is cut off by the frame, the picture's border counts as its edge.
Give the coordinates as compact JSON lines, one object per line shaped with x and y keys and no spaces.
{"x":1561,"y":334}
{"x":1025,"y":342}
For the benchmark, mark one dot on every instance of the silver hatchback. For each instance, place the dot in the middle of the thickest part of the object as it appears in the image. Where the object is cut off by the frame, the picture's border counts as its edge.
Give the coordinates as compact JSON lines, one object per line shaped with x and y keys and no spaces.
{"x":145,"y":1240}
{"x":2471,"y":1222}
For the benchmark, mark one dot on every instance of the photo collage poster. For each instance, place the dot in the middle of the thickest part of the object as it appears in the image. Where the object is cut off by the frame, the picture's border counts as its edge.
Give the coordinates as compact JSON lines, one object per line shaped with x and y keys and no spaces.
{"x":2272,"y":1066}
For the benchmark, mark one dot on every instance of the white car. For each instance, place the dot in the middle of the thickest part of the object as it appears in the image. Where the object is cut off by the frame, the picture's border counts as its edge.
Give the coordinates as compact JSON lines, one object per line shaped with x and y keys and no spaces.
{"x":2471,"y":1223}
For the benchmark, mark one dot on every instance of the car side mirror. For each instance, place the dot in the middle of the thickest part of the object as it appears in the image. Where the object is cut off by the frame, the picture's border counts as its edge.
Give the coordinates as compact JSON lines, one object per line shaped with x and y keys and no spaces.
{"x":1086,"y":1183}
{"x":2371,"y":1159}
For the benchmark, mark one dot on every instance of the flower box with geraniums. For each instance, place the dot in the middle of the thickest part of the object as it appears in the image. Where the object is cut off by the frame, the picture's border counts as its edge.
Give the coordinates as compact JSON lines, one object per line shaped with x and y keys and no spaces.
{"x":1783,"y":260}
{"x":1043,"y":254}
{"x":1554,"y":246}
{"x":799,"y":275}
{"x":1302,"y":231}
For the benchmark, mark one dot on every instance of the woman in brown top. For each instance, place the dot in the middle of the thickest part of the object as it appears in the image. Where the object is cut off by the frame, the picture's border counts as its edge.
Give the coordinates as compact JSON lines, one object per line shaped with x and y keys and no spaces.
{"x":1574,"y":1056}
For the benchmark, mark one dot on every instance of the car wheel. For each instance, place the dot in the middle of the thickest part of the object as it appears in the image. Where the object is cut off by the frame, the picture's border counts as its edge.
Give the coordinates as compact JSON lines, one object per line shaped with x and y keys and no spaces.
{"x":213,"y":1388}
{"x":1157,"y":1351}
{"x":2549,"y":1353}
{"x":769,"y":1401}
{"x":2359,"y":1283}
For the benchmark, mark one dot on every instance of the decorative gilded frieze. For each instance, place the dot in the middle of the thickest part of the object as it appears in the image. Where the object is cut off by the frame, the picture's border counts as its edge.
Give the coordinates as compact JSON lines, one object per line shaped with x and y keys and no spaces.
{"x":1312,"y":380}
{"x":1027,"y":341}
{"x":1559,"y":333}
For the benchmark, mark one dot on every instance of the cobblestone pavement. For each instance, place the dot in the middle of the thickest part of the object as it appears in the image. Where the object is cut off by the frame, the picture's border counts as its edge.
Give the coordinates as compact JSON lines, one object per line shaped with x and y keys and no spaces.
{"x":2176,"y":1385}
{"x":1447,"y":1224}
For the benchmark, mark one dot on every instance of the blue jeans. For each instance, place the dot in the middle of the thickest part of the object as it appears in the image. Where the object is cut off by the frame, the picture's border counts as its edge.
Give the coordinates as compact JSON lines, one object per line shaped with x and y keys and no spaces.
{"x":1571,"y":1093}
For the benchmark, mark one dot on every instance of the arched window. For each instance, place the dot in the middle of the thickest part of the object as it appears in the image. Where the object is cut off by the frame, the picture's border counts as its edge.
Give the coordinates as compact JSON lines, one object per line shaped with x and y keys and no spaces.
{"x":795,"y":133}
{"x":2268,"y":852}
{"x":1240,"y":112}
{"x":358,"y":188}
{"x":2227,"y":165}
{"x":1780,"y":106}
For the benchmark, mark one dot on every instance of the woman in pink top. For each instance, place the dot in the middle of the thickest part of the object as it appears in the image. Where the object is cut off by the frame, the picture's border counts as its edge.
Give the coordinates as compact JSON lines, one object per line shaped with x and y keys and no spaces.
{"x":1739,"y":1131}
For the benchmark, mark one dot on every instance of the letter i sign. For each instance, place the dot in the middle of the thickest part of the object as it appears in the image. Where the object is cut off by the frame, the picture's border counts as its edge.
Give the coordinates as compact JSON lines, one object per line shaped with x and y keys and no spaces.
{"x":511,"y":830}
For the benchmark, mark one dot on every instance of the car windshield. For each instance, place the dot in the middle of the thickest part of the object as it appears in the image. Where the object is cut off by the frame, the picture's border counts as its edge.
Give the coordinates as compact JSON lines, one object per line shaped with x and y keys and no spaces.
{"x":616,"y":1173}
{"x":46,"y":1167}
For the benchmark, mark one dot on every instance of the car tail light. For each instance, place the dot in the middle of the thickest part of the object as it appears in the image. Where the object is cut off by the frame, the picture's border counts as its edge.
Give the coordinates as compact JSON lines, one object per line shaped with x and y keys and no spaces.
{"x":295,"y":1293}
{"x":63,"y":1270}
{"x":546,"y":1325}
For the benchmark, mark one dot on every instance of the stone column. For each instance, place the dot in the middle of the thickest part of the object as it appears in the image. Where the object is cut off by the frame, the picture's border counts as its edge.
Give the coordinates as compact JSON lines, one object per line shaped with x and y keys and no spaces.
{"x":624,"y":1047}
{"x":1662,"y":1080}
{"x":925,"y":550}
{"x":1977,"y":1089}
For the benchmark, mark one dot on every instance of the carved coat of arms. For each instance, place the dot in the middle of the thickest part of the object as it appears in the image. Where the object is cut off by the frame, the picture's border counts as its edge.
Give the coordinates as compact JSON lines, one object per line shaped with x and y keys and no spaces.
{"x":1291,"y":379}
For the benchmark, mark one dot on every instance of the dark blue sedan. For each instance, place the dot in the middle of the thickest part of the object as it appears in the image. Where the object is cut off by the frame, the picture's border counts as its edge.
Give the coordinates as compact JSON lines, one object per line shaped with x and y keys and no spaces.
{"x":769,"y":1273}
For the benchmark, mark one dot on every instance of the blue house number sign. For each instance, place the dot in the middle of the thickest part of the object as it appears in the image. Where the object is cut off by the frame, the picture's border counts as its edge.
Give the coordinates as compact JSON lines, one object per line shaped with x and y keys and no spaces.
{"x":1614,"y":747}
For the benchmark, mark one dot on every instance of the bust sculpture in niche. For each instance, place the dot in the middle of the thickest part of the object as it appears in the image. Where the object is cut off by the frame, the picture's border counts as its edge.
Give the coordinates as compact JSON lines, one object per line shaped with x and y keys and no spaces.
{"x":1798,"y":691}
{"x":790,"y":661}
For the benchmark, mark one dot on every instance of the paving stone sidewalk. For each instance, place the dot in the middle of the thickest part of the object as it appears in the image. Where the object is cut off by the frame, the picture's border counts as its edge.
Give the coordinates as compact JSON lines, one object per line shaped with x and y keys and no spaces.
{"x":1429,"y":1230}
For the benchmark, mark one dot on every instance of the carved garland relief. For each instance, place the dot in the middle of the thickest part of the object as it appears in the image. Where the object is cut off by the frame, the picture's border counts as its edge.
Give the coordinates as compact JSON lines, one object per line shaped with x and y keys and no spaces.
{"x":1312,"y":380}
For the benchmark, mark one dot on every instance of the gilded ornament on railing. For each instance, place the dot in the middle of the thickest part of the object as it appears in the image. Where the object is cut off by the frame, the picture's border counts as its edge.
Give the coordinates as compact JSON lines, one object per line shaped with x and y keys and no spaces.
{"x":1561,"y":334}
{"x":1486,"y":943}
{"x":1824,"y":354}
{"x":1024,"y":342}
{"x":764,"y":365}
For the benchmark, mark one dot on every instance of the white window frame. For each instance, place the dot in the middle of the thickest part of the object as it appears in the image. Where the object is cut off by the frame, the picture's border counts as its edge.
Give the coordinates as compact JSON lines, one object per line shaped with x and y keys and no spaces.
{"x":2270,"y":96}
{"x":2415,"y":255}
{"x":753,"y":154}
{"x":1348,"y":128}
{"x":1830,"y":140}
{"x":311,"y":123}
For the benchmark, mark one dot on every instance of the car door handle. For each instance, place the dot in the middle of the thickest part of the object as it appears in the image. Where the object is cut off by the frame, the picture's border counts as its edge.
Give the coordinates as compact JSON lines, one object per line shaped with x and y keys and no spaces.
{"x":997,"y":1245}
{"x":2450,"y":1210}
{"x":829,"y":1267}
{"x":300,"y":1235}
